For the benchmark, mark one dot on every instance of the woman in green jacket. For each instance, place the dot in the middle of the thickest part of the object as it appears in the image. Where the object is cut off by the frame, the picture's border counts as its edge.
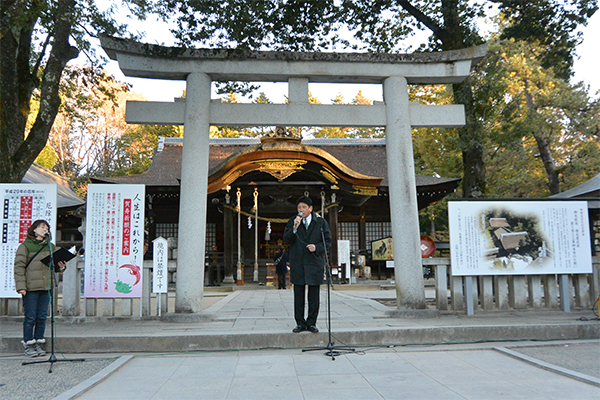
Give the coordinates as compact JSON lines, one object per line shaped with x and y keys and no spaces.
{"x":32,"y":281}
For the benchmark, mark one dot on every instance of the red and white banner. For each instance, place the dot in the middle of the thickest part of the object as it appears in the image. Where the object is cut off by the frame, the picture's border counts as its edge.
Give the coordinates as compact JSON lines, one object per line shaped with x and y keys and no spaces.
{"x":114,"y":241}
{"x":22,"y":203}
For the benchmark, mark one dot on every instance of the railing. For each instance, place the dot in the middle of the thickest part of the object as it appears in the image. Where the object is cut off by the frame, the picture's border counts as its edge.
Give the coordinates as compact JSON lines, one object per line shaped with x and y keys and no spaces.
{"x":502,"y":292}
{"x":74,"y":305}
{"x":457,"y":294}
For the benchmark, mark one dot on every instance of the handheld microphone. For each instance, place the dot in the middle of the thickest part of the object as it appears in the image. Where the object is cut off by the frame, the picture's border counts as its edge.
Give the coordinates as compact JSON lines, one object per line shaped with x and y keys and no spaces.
{"x":300,"y":214}
{"x":47,"y":234}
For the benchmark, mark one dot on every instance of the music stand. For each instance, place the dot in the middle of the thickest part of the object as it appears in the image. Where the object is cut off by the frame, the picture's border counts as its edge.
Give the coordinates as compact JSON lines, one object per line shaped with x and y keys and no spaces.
{"x":52,"y":358}
{"x":331,"y":349}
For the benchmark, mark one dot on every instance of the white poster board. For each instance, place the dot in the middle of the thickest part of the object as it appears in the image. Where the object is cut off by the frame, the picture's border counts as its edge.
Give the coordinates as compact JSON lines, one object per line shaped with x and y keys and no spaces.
{"x":22,"y":204}
{"x":114,"y":241}
{"x":159,"y":265}
{"x":344,"y":256}
{"x":519,"y":237}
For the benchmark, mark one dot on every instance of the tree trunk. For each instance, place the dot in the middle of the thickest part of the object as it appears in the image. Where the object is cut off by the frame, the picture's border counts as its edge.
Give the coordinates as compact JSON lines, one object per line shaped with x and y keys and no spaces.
{"x":16,"y":86}
{"x":542,"y":143}
{"x":471,"y":135}
{"x":549,"y":163}
{"x":471,"y":143}
{"x":17,"y":82}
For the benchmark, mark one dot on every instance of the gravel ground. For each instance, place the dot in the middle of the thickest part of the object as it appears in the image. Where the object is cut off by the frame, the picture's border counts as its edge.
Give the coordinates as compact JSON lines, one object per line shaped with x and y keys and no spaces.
{"x":27,"y":382}
{"x":579,"y":357}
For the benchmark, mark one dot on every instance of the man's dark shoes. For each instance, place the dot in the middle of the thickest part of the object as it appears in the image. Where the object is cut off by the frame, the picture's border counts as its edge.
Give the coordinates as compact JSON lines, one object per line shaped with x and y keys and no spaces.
{"x":313,"y":329}
{"x":298,"y":329}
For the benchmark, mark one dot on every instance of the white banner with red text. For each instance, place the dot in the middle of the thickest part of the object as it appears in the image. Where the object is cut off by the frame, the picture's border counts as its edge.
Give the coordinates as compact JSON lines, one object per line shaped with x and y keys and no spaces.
{"x":114,"y":241}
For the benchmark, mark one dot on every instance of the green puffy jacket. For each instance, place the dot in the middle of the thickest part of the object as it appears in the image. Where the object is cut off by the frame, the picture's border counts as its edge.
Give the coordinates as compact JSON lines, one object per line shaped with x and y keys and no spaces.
{"x":36,"y":275}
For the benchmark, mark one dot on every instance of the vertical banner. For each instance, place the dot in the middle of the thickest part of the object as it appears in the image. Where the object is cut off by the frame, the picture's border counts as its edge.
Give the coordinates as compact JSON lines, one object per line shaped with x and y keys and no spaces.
{"x":22,"y":203}
{"x":160,"y":254}
{"x":114,"y":253}
{"x":344,"y":256}
{"x":519,"y":237}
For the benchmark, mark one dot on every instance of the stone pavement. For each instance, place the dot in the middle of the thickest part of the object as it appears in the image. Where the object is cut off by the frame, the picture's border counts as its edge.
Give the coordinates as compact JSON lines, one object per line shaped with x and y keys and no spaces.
{"x":241,"y":346}
{"x":260,"y":319}
{"x":382,"y":373}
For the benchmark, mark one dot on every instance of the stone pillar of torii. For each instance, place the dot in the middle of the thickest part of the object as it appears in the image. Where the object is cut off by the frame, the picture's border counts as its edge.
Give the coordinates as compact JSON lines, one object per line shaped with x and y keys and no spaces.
{"x":199,"y":67}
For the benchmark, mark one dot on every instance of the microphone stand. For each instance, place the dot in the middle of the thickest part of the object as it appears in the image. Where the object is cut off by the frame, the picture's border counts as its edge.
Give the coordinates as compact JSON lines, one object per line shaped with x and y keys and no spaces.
{"x":52,"y":358}
{"x":332,"y":350}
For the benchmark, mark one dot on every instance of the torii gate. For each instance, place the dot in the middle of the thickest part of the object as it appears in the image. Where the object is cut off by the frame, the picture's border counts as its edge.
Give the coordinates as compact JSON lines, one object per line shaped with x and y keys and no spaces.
{"x":199,"y":67}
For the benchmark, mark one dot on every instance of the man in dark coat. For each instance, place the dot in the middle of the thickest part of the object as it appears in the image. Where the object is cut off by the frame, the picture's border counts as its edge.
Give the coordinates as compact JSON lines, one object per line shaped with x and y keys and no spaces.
{"x":281,"y":267}
{"x":304,"y":233}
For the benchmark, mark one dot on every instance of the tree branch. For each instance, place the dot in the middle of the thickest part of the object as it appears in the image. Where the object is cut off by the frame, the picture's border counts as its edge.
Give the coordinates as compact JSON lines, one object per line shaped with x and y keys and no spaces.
{"x":437,"y":30}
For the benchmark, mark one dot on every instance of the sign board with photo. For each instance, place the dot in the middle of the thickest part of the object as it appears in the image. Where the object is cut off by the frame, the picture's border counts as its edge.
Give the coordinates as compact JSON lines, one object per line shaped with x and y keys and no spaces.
{"x":519,"y":237}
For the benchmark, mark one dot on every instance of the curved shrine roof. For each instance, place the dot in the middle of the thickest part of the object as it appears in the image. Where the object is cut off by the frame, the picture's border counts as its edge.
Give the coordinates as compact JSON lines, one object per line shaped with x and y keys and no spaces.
{"x":368,"y":160}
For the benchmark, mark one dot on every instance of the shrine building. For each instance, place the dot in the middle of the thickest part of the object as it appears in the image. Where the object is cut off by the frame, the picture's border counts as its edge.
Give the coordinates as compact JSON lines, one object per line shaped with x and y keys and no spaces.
{"x":347,"y":180}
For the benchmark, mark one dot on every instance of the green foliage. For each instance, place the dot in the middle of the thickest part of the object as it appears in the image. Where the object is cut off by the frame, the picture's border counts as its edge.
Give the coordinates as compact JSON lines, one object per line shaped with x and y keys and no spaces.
{"x":377,"y":25}
{"x":552,"y":23}
{"x":47,"y":158}
{"x":539,"y":127}
{"x":436,"y":151}
{"x":273,"y":24}
{"x":136,"y":147}
{"x":433,"y":220}
{"x":84,"y":90}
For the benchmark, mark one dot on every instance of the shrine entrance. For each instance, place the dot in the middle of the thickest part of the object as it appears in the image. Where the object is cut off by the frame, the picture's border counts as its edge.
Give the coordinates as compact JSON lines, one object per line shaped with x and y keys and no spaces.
{"x":199,"y":67}
{"x":262,"y":182}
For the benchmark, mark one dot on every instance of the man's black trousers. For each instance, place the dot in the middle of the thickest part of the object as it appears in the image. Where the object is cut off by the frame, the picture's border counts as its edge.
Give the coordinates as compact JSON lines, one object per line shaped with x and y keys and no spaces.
{"x":281,"y":281}
{"x":313,"y":305}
